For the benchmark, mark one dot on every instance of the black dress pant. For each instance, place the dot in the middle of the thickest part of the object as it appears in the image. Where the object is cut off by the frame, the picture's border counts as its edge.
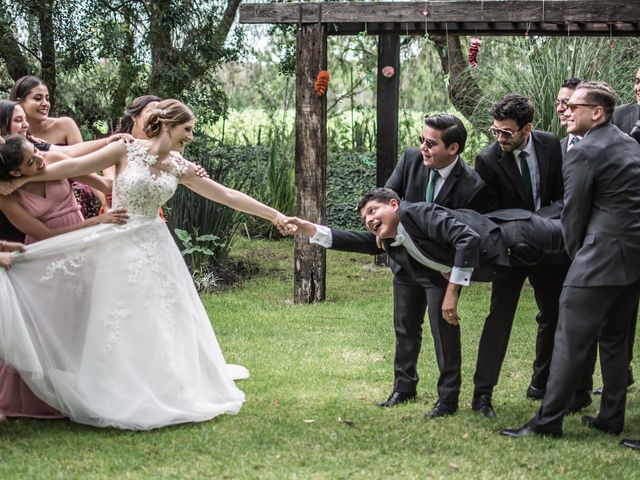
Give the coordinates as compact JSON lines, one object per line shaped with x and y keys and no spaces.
{"x":411,"y":299}
{"x":587,"y":313}
{"x":546,"y":281}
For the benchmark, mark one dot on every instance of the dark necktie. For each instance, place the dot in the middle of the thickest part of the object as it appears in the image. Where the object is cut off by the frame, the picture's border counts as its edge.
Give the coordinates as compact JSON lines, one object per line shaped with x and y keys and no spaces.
{"x":575,"y":140}
{"x":431,"y":186}
{"x":526,"y":177}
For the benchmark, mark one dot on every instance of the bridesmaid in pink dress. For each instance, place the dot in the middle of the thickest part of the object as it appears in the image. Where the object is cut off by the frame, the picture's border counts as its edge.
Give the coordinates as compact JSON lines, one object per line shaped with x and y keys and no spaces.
{"x":48,"y":209}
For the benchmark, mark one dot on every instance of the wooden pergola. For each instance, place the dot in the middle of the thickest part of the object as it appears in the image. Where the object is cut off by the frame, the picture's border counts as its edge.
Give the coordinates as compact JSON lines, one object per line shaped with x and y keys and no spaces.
{"x":389,"y":21}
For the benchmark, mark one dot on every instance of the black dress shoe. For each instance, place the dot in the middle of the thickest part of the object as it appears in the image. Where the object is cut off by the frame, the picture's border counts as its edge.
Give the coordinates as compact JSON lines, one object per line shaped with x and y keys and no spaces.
{"x":482,"y":406}
{"x":535,"y":393}
{"x":441,"y":409}
{"x":527,"y":431}
{"x":581,"y":400}
{"x":630,"y":443}
{"x":594,"y":422}
{"x":396,"y":398}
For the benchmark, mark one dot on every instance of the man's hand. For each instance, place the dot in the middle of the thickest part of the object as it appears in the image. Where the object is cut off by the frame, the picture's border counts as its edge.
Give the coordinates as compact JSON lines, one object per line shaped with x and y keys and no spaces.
{"x":302,"y":226}
{"x":450,"y":304}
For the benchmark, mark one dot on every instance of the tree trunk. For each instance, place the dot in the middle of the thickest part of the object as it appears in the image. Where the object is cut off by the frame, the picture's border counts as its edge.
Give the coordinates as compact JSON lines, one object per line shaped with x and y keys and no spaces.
{"x":47,"y":47}
{"x":10,"y":51}
{"x":162,"y":52}
{"x":127,"y":72}
{"x":311,"y":161}
{"x":464,"y":92}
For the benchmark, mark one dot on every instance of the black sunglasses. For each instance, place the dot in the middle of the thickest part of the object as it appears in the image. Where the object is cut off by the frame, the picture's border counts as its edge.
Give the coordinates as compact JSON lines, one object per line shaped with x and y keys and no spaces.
{"x":426,"y":141}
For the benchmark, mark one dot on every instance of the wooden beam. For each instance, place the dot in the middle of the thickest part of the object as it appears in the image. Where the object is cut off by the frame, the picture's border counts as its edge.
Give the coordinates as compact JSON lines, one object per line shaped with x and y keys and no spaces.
{"x":489,"y":17}
{"x":311,"y":161}
{"x":442,"y":11}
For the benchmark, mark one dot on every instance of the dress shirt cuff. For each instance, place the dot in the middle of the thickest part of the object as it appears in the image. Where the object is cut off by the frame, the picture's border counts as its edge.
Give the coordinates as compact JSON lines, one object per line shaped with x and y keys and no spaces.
{"x":322,"y":237}
{"x":460,"y":276}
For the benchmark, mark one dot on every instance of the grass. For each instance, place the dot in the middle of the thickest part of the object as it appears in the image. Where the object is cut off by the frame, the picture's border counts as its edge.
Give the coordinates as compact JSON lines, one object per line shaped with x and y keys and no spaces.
{"x":316,"y":373}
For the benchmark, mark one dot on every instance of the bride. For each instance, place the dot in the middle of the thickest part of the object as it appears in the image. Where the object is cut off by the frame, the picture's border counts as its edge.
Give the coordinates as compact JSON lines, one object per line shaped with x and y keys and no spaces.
{"x":104,"y":323}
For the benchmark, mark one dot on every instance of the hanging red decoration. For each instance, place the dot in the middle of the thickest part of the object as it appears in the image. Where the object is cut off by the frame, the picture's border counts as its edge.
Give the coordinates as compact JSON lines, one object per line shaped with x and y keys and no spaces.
{"x":473,"y":52}
{"x":322,"y":82}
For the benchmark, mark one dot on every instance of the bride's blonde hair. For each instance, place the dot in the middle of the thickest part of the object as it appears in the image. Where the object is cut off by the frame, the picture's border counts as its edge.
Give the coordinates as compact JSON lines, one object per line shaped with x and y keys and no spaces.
{"x":171,"y":112}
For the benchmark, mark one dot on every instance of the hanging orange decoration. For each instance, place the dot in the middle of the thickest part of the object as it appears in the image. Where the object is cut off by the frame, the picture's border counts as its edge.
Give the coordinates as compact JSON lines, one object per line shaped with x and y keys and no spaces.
{"x":322,"y":82}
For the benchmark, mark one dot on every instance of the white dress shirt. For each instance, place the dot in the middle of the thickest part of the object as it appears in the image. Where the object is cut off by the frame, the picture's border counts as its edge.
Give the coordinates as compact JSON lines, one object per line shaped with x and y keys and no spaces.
{"x":459,"y":276}
{"x":444,"y":174}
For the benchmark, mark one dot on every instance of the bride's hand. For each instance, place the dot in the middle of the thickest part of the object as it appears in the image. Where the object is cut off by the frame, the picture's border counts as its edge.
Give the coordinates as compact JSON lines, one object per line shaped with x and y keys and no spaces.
{"x":284,"y":225}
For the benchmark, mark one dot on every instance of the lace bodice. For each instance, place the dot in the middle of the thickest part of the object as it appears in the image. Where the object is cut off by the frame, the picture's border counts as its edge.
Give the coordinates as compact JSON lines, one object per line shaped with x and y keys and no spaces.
{"x":146,"y":184}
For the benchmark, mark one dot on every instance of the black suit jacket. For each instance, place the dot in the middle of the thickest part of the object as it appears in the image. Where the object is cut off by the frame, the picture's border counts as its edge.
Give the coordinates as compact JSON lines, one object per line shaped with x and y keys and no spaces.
{"x":455,"y":238}
{"x":601,"y":217}
{"x":625,"y":116}
{"x":463,"y":188}
{"x":503,"y":179}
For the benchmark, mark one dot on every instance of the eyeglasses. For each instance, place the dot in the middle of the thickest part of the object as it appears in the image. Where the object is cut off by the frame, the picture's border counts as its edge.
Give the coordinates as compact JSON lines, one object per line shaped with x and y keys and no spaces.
{"x":562,"y":102}
{"x":495,"y":131}
{"x":426,"y":141}
{"x":573,"y":106}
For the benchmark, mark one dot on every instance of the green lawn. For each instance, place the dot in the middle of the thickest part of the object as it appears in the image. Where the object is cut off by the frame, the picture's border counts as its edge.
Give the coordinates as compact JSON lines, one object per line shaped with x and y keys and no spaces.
{"x":316,"y":373}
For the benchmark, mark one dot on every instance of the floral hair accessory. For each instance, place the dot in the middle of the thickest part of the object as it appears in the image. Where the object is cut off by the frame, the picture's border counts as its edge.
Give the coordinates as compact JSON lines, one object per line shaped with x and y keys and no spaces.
{"x":161,"y":111}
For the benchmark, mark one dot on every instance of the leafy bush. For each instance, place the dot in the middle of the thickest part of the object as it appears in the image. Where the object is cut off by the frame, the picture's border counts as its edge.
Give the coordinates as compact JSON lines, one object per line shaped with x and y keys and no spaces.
{"x":201,"y":217}
{"x":349,"y":176}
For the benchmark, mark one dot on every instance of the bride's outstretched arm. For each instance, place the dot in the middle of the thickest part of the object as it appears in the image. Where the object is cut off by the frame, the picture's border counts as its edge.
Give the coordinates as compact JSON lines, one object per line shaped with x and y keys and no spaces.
{"x":232,"y":198}
{"x":112,"y":154}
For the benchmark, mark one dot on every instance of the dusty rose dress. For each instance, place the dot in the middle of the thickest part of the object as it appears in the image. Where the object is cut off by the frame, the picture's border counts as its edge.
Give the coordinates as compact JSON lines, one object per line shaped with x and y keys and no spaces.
{"x":58,"y":208}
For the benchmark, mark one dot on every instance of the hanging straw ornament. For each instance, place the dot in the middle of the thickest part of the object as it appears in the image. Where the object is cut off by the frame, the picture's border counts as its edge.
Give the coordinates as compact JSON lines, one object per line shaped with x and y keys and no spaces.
{"x":474,"y":47}
{"x":322,"y":82}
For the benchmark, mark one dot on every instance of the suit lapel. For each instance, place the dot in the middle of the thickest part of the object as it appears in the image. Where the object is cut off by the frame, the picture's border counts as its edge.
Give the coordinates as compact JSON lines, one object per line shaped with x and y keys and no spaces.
{"x":634,"y":114}
{"x":508,"y":163}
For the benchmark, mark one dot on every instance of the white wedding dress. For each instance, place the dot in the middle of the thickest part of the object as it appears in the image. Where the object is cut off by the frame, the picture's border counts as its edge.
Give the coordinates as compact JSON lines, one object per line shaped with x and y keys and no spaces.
{"x":104,"y":323}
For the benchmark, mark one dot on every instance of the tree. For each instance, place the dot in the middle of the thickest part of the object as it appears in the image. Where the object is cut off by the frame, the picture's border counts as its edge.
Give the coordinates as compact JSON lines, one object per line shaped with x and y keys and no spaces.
{"x":166,"y":47}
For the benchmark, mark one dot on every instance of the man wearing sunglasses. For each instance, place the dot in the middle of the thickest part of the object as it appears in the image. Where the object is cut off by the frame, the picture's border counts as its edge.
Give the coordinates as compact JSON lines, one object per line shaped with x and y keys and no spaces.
{"x":522,"y":169}
{"x":564,"y":95}
{"x":601,"y":229}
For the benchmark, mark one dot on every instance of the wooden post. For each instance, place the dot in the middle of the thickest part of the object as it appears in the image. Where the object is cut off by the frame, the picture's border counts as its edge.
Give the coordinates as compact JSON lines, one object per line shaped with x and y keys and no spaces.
{"x":311,"y":161}
{"x":387,"y":101}
{"x":387,"y":107}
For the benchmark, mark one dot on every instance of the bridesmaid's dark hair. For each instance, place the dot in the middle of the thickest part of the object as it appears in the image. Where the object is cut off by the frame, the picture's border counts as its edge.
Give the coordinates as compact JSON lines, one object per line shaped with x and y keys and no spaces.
{"x":170,"y":112}
{"x":126,"y":122}
{"x":6,"y":114}
{"x":23,"y":87}
{"x":10,"y":155}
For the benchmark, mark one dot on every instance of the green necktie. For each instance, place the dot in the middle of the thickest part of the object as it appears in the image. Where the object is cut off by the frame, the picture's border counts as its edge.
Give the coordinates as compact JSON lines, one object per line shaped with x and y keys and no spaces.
{"x":431,"y":186}
{"x":526,"y":176}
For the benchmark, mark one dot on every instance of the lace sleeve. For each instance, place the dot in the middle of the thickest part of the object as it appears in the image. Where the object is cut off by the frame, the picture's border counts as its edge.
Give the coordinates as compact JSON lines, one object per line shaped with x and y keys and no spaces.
{"x":181,"y":166}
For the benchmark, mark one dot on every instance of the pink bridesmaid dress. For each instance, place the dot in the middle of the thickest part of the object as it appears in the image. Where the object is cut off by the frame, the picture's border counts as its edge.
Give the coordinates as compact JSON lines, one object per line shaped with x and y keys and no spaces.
{"x":58,"y":208}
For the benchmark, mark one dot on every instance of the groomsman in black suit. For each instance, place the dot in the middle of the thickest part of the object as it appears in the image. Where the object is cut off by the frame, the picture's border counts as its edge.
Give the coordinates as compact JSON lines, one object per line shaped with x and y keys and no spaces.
{"x":564,"y":95}
{"x":433,"y":173}
{"x":522,"y":169}
{"x":601,"y":228}
{"x":625,"y":116}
